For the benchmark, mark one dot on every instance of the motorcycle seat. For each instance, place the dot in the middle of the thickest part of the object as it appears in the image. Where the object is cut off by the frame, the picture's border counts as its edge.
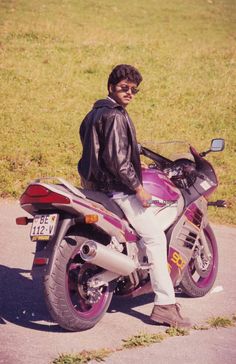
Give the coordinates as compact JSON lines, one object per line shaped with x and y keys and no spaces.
{"x":104,"y":200}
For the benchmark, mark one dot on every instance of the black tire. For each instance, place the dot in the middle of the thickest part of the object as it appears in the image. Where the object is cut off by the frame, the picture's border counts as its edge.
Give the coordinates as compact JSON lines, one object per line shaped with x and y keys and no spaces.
{"x":197,"y":282}
{"x":65,"y":288}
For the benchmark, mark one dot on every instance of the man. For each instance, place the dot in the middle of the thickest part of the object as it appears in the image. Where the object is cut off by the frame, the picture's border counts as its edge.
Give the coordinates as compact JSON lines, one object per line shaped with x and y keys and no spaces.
{"x":111,"y":163}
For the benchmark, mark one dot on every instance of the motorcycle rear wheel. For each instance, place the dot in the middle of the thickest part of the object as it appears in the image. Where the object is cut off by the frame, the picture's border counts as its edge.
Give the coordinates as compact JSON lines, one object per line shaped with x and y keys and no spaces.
{"x":198,"y":280}
{"x":66,"y":288}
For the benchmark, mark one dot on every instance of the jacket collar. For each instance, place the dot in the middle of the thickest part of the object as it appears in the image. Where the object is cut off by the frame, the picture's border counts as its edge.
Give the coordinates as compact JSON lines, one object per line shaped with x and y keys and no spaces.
{"x":108,"y":102}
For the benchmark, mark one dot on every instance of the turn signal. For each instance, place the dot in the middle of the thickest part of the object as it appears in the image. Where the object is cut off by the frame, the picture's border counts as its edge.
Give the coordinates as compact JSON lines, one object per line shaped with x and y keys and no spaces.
{"x":90,"y":219}
{"x":23,"y":220}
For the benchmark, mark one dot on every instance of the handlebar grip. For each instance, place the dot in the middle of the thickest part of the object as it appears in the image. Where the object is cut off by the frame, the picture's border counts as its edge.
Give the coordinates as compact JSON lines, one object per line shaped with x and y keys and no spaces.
{"x":218,"y":203}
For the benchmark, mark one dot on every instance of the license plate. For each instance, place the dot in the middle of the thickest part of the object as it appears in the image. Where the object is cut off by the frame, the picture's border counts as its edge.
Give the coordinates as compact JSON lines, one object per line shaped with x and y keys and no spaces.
{"x":44,"y":227}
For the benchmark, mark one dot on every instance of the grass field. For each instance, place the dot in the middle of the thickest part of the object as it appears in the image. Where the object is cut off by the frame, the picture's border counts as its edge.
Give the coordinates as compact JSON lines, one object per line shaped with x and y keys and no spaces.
{"x":55,"y":57}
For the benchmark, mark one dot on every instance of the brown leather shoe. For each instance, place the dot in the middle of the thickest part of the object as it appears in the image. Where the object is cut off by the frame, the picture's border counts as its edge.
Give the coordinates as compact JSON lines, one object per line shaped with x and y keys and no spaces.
{"x":169,"y":314}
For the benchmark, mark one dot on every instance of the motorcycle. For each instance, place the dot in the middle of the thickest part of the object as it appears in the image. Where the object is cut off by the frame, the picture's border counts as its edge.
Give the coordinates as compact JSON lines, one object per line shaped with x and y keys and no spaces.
{"x":86,"y":250}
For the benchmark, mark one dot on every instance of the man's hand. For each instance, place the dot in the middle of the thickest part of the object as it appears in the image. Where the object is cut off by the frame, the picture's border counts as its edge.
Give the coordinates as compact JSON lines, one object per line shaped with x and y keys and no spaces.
{"x":143,"y":196}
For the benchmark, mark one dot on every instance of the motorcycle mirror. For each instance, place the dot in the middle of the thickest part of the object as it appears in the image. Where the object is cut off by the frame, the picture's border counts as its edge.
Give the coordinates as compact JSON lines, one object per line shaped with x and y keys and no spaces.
{"x":217,"y":145}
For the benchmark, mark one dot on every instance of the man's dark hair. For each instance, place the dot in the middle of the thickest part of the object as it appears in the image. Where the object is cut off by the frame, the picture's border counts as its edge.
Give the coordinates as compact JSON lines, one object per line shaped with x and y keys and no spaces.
{"x":124,"y":72}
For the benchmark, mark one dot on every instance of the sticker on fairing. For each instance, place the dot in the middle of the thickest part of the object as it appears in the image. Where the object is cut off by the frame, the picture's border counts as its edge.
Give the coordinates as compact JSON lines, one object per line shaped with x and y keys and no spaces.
{"x":205,"y":185}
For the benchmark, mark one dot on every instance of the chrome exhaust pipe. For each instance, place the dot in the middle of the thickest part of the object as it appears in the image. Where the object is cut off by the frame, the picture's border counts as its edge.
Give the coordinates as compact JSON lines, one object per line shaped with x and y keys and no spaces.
{"x":107,"y":258}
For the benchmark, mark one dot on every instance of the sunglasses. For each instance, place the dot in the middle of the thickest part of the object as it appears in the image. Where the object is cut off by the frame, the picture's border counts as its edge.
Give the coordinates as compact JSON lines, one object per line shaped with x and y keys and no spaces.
{"x":126,"y":88}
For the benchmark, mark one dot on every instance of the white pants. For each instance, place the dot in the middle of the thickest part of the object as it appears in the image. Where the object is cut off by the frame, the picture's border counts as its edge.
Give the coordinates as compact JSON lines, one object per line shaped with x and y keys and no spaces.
{"x":150,"y":223}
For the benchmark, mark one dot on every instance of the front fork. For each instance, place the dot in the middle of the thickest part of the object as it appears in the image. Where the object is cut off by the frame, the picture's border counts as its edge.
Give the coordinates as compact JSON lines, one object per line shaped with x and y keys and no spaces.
{"x":203,"y":252}
{"x":205,"y":247}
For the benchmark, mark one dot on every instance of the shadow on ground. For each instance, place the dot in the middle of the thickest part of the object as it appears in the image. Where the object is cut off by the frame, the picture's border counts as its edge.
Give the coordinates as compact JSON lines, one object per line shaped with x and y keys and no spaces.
{"x":22,"y":302}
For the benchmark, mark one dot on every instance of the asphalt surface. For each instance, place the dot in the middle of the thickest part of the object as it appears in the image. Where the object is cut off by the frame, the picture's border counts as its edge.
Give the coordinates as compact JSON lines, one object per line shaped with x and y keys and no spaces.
{"x":28,"y":336}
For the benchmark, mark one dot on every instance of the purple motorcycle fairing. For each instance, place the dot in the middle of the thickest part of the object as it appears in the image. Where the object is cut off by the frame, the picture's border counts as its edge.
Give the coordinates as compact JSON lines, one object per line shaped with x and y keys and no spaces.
{"x":115,"y":222}
{"x":158,"y":185}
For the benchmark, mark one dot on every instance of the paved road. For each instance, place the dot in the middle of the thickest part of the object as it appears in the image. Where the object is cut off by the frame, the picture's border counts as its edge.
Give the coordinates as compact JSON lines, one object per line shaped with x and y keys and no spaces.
{"x":27,"y":336}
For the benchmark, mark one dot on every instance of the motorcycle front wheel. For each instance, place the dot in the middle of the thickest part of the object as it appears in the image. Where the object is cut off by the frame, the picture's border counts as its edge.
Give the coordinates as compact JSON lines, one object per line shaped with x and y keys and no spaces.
{"x":201,"y":272}
{"x":66,"y":289}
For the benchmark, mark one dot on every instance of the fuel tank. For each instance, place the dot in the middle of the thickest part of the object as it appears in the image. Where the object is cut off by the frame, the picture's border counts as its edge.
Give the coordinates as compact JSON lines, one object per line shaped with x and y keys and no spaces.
{"x":159,"y":185}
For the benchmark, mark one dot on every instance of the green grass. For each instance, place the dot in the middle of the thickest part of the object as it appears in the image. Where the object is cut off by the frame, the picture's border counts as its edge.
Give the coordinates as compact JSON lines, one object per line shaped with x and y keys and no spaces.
{"x":54,"y":61}
{"x":83,"y":357}
{"x":219,"y":321}
{"x":175,"y":331}
{"x":201,"y":327}
{"x":142,"y":339}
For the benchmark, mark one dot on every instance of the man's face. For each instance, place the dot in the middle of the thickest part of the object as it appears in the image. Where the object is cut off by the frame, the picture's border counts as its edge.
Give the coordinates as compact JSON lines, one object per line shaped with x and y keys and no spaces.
{"x":123,"y":92}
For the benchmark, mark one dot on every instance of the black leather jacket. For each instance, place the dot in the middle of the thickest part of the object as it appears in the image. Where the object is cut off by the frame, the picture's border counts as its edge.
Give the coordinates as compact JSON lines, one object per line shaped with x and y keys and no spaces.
{"x":110,"y":158}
